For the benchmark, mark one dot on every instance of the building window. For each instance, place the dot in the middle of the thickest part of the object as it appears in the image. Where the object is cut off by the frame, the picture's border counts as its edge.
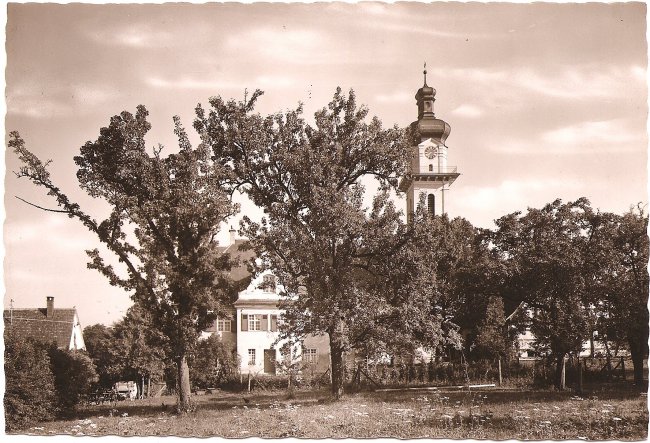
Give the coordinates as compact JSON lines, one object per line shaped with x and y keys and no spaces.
{"x":309,"y":356}
{"x":223,"y":325}
{"x":431,"y":204}
{"x":268,"y":283}
{"x":430,"y":168}
{"x":254,"y":322}
{"x":251,"y":357}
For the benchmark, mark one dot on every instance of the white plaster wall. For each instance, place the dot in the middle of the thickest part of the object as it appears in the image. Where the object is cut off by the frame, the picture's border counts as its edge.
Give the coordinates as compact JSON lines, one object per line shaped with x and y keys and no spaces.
{"x":76,"y":338}
{"x":258,"y":340}
{"x":261,"y":340}
{"x":439,"y":162}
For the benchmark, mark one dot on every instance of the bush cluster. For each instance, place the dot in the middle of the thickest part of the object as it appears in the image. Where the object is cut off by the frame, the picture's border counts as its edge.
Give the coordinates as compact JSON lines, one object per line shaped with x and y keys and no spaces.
{"x":42,"y":382}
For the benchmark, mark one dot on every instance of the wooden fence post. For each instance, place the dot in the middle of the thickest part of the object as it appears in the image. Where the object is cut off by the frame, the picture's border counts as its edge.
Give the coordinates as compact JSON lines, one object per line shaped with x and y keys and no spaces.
{"x":500,"y":379}
{"x":579,"y":376}
{"x":623,"y":367}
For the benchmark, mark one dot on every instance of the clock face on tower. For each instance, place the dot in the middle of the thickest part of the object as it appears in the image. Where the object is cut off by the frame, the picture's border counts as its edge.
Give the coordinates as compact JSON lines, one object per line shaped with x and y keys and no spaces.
{"x":431,"y":151}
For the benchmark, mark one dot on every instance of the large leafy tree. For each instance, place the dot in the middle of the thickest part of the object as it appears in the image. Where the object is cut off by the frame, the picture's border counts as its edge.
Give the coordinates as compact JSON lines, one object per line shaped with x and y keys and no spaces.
{"x":133,"y":349}
{"x":144,"y":350}
{"x":317,"y":236}
{"x":405,"y":303}
{"x":491,"y":341}
{"x":165,"y":213}
{"x":632,"y":289}
{"x":545,"y":251}
{"x":620,"y":287}
{"x":106,"y":353}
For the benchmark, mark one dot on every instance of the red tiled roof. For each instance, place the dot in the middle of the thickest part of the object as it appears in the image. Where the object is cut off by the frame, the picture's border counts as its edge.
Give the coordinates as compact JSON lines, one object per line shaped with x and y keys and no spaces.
{"x":35,"y":324}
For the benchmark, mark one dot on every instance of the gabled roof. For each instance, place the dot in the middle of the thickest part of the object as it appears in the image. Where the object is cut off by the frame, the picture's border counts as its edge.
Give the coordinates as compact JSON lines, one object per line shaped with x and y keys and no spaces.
{"x":34,"y":323}
{"x":239,"y":273}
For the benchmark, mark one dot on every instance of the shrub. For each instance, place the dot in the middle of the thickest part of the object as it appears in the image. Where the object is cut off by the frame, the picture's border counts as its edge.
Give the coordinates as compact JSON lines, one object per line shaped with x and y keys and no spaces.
{"x":74,"y":376}
{"x":30,"y":394}
{"x":213,"y":363}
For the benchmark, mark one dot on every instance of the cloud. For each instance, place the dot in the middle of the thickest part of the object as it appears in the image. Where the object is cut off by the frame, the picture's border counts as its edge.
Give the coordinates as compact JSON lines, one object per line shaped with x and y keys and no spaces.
{"x":588,"y":137}
{"x":36,"y":107}
{"x":29,"y":235}
{"x":395,"y":97}
{"x":135,"y":35}
{"x":190,"y":83}
{"x":55,"y":100}
{"x":391,"y":18}
{"x":600,"y":133}
{"x":508,"y":196}
{"x":578,"y":82}
{"x":92,"y":95}
{"x":467,"y":110}
{"x":296,"y":45}
{"x":275,"y":81}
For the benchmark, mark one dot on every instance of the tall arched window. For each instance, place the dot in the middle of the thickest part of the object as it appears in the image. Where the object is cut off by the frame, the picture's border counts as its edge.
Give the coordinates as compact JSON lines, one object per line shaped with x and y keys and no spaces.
{"x":431,"y":204}
{"x":430,"y":168}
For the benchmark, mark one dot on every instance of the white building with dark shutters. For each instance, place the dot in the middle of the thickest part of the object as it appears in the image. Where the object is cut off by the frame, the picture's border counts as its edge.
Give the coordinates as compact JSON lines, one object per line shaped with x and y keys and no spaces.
{"x":252,"y":328}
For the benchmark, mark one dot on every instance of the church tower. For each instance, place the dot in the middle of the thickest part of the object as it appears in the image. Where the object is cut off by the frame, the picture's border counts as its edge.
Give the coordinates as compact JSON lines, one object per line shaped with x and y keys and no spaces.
{"x":429,"y":173}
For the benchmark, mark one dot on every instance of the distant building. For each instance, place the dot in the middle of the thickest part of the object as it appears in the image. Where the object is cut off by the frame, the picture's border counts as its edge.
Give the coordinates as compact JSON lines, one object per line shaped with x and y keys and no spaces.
{"x":429,"y":173}
{"x":48,"y":325}
{"x":252,"y":328}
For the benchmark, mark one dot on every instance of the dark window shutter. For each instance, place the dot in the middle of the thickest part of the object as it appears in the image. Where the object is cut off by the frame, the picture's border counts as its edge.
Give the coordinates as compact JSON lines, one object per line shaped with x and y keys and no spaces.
{"x":244,"y":322}
{"x":265,"y":323}
{"x":274,"y":323}
{"x":233,"y":324}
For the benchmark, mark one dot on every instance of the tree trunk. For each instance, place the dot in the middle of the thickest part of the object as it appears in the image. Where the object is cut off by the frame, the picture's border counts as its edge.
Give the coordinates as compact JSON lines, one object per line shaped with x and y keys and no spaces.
{"x":559,"y":381}
{"x":338,"y":376}
{"x":184,"y":390}
{"x":637,"y":353}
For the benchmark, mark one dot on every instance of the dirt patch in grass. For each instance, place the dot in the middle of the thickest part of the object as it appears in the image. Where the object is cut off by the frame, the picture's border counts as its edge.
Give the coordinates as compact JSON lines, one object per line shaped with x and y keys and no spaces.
{"x":484,"y":414}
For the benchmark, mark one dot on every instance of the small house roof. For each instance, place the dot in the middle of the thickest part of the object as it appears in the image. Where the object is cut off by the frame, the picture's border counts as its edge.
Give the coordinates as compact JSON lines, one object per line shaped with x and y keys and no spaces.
{"x":34,"y":323}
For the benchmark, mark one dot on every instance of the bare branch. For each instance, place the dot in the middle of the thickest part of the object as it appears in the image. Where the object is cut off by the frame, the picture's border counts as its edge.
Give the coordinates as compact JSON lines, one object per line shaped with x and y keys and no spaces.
{"x":63,"y":211}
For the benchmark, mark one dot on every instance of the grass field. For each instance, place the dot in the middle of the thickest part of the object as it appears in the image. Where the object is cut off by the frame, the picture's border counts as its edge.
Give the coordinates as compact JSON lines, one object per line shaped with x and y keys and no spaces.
{"x":485,"y":414}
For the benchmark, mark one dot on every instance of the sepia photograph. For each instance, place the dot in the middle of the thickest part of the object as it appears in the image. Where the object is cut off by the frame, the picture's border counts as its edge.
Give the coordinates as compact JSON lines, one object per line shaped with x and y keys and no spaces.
{"x":326,"y":220}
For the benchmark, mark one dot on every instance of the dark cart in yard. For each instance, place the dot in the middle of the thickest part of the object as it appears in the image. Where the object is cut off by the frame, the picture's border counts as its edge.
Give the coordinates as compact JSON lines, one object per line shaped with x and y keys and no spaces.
{"x":102,"y":396}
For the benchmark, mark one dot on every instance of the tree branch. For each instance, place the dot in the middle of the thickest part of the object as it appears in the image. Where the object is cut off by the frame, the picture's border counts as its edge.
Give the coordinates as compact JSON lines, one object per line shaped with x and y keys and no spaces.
{"x":62,"y":211}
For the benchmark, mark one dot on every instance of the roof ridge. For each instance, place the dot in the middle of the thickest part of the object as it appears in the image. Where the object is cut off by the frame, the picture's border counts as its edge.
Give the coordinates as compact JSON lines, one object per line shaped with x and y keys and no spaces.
{"x":39,"y":319}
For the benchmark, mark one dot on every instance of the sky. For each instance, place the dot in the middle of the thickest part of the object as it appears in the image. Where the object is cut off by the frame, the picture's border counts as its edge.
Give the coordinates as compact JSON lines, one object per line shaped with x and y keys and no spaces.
{"x":544,"y":100}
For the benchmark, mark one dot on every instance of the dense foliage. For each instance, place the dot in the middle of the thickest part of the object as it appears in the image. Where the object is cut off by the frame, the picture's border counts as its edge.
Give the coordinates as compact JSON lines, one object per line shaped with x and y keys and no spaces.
{"x":74,"y":377}
{"x":106,"y":353}
{"x":331,"y":253}
{"x":30,"y":394}
{"x":577,"y":270}
{"x":132,"y":350}
{"x":213,"y":362}
{"x":349,"y":266}
{"x":165,"y":214}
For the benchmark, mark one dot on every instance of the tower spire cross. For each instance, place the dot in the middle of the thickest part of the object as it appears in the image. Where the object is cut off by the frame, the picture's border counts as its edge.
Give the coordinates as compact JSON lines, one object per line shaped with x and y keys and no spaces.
{"x":425,"y":73}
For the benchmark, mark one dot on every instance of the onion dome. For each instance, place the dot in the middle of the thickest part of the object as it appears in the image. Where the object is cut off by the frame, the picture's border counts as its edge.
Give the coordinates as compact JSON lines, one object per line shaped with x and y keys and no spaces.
{"x":428,"y":126}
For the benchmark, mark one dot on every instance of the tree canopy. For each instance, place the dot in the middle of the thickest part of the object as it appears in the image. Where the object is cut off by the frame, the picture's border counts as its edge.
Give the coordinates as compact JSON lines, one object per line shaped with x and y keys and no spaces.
{"x":165,"y":214}
{"x":331,"y":253}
